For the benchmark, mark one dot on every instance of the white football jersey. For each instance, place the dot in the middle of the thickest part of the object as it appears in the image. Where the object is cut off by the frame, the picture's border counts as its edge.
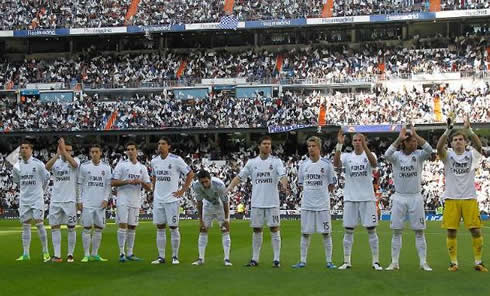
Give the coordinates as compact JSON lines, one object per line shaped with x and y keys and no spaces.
{"x":65,"y":181}
{"x":265,"y":175}
{"x":214,"y":195}
{"x":167,"y":173}
{"x":32,"y":178}
{"x":95,"y":183}
{"x":358,"y":177}
{"x":315,"y":178}
{"x":407,"y":169}
{"x":129,"y":194}
{"x":459,"y":171}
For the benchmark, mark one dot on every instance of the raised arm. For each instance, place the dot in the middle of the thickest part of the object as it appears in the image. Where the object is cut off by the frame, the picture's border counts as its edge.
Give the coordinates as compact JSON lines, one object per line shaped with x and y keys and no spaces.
{"x":441,"y":143}
{"x":475,"y":140}
{"x":337,"y":162}
{"x":370,"y":156}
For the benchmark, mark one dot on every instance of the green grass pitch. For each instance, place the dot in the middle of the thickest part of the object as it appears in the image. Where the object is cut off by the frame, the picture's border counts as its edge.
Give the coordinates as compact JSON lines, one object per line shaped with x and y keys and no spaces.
{"x":142,"y":278}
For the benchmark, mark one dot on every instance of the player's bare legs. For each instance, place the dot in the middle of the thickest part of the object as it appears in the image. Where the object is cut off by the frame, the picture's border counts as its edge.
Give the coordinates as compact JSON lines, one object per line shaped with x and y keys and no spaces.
{"x":477,"y":249}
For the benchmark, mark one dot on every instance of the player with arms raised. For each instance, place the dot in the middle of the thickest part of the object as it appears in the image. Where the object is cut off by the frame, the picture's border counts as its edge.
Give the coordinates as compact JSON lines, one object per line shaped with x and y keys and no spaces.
{"x":460,"y":194}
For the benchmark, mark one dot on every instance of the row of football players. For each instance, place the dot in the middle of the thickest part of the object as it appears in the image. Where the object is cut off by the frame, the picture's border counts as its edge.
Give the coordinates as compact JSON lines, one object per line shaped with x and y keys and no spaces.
{"x":87,"y":187}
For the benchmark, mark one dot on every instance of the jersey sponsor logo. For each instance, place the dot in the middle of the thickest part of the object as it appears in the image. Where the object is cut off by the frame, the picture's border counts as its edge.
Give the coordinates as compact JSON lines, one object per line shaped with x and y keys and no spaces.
{"x":358,"y":170}
{"x":62,"y":176}
{"x":27,"y":180}
{"x":263,"y":178}
{"x":163,"y":175}
{"x":95,"y":181}
{"x":313,"y":180}
{"x":460,"y":168}
{"x":408,"y":171}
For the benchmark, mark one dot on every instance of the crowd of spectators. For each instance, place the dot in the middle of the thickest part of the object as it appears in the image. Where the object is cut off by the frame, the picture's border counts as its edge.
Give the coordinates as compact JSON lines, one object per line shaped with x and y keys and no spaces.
{"x":35,"y":14}
{"x":315,"y":63}
{"x":228,"y":164}
{"x":222,"y":110}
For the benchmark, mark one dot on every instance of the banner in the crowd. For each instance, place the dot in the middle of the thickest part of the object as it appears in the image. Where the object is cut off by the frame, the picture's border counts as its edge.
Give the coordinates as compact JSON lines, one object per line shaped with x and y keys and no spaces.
{"x":382,"y":128}
{"x":286,"y":128}
{"x":421,"y":16}
{"x":111,"y":120}
{"x":275,"y":23}
{"x":191,"y":93}
{"x":437,"y":76}
{"x":228,"y":6}
{"x":29,"y":92}
{"x":463,"y":13}
{"x":97,"y":31}
{"x":338,"y":20}
{"x":224,"y":81}
{"x":13,"y":157}
{"x":132,"y":10}
{"x":209,"y":26}
{"x":60,"y":97}
{"x":327,"y":10}
{"x":253,"y":91}
{"x":435,"y":5}
{"x":156,"y":28}
{"x":181,"y":69}
{"x":322,"y":115}
{"x":52,"y":85}
{"x":6,"y":33}
{"x":42,"y":33}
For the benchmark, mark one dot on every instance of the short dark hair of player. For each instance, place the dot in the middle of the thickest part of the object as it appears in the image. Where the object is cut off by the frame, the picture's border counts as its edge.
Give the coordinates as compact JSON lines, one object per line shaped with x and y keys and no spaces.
{"x":458,"y":132}
{"x":131,"y":143}
{"x":96,"y":146}
{"x":68,"y":143}
{"x":203,"y":174}
{"x":265,"y":138}
{"x":166,"y":139}
{"x":27,"y":142}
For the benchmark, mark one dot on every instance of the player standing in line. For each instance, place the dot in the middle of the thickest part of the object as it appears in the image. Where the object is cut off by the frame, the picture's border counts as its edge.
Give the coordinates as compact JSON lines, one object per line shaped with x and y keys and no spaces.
{"x":212,"y":203}
{"x":316,"y":177}
{"x":407,"y":201}
{"x":460,"y":194}
{"x":32,"y":178}
{"x":166,"y":171}
{"x":129,"y":176}
{"x":359,"y":198}
{"x":95,"y":189}
{"x":266,"y":171}
{"x":63,"y":209}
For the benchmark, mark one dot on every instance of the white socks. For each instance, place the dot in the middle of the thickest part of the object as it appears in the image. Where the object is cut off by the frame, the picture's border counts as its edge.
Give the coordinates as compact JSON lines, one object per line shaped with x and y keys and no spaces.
{"x":86,"y":240}
{"x":122,"y":234}
{"x":374,"y":244}
{"x":26,"y":238}
{"x":56,"y":237}
{"x":96,"y":239}
{"x":327,"y":244}
{"x":202,"y":243}
{"x":257,"y":239}
{"x":226,"y":240}
{"x":396,"y":245}
{"x":43,"y":236}
{"x":348,"y":241}
{"x":304,"y":245}
{"x":421,"y":246}
{"x":175,"y":241}
{"x":276,"y":244}
{"x":161,"y":242}
{"x":72,"y":240}
{"x":130,"y":241}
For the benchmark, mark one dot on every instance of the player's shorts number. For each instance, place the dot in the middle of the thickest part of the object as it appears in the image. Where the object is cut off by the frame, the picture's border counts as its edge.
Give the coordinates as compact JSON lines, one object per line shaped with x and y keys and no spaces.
{"x":72,"y":219}
{"x":326,"y":226}
{"x":174,"y":219}
{"x":275,"y":219}
{"x":374,"y":218}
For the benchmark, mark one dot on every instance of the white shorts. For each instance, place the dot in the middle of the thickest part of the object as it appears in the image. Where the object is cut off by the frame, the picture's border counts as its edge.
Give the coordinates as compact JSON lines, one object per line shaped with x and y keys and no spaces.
{"x":166,"y":213}
{"x":127,"y":215}
{"x":265,"y":216}
{"x":209,"y":213}
{"x":315,"y":221}
{"x":360,"y":212}
{"x":27,"y":213}
{"x":62,"y":213}
{"x":91,"y":217}
{"x":407,"y":206}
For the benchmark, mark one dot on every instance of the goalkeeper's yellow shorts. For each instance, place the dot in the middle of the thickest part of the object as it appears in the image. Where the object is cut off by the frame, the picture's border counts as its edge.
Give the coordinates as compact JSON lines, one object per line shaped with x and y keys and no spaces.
{"x":455,"y":209}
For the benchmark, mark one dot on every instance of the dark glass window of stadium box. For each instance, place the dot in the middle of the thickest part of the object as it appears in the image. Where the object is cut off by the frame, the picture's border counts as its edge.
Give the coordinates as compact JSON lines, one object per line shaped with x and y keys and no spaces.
{"x":102,"y":43}
{"x":376,"y":33}
{"x":277,"y":38}
{"x":48,"y":45}
{"x":140,"y":42}
{"x":209,"y":39}
{"x":327,"y":35}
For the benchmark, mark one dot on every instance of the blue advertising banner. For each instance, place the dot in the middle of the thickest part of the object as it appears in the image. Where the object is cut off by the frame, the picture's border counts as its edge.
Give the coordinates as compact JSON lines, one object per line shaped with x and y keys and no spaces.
{"x":59,"y":97}
{"x":156,"y":28}
{"x":42,"y":33}
{"x":418,"y":16}
{"x":191,"y":93}
{"x":286,"y":128}
{"x":253,"y":92}
{"x":275,"y":23}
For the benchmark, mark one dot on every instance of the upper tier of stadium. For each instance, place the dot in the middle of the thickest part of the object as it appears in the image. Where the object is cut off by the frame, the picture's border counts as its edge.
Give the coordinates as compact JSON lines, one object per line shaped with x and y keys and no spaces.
{"x":38,"y":14}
